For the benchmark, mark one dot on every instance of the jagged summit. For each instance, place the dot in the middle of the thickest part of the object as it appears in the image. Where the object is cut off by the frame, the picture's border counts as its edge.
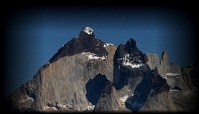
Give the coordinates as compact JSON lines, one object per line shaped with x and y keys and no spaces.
{"x":88,"y":30}
{"x":129,"y":55}
{"x":85,"y":43}
{"x":131,"y":45}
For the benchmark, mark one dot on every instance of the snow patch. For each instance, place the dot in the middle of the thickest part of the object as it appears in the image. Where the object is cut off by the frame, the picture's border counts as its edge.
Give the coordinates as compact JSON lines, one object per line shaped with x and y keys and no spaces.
{"x":49,"y":108}
{"x":173,"y":74}
{"x":89,"y":108}
{"x":132,"y":65}
{"x":165,"y":77}
{"x":127,"y":62}
{"x":64,"y":106}
{"x":107,"y":44}
{"x":93,"y":56}
{"x":88,"y":30}
{"x":60,"y":106}
{"x":123,"y":99}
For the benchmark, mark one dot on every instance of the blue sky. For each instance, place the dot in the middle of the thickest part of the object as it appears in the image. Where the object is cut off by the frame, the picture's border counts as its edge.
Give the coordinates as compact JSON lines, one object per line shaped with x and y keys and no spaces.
{"x":34,"y":35}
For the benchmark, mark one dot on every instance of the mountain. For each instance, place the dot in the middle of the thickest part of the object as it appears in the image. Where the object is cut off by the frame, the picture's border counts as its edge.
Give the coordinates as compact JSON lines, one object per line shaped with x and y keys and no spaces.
{"x":64,"y":80}
{"x":87,"y":74}
{"x":85,"y":42}
{"x":133,"y":79}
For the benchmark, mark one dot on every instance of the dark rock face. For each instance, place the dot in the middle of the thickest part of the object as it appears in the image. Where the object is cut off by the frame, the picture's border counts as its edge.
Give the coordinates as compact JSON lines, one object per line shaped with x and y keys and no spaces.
{"x":83,"y":43}
{"x":128,"y":62}
{"x":105,"y":100}
{"x":95,"y":87}
{"x":130,"y":69}
{"x":150,"y":84}
{"x":130,"y":49}
{"x":189,"y":75}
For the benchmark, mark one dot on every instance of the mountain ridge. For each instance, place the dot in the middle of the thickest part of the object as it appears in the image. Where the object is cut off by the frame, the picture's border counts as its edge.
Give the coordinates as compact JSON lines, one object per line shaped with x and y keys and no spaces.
{"x":87,"y":74}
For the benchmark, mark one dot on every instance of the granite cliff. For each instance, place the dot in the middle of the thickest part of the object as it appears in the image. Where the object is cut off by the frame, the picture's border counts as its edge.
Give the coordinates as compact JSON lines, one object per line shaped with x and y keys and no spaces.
{"x":87,"y":74}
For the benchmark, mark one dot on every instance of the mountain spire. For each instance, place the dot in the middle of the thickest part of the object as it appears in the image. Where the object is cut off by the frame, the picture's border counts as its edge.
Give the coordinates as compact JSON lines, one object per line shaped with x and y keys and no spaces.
{"x":85,"y":42}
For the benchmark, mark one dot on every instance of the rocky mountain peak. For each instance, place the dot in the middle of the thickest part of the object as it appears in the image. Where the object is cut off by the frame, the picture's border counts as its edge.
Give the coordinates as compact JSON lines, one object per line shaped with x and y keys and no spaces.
{"x":87,"y":33}
{"x":129,"y":54}
{"x":85,"y":42}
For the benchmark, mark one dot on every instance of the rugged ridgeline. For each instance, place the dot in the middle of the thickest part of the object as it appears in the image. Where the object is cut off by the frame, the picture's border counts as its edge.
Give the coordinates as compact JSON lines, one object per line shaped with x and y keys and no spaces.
{"x":183,"y":84}
{"x":133,"y":81}
{"x":64,"y":83}
{"x":87,"y":74}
